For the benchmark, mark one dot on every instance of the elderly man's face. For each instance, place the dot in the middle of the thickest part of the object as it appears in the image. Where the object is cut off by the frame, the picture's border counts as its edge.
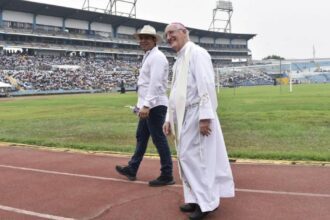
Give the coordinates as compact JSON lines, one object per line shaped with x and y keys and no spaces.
{"x":147,"y":42}
{"x":175,"y":36}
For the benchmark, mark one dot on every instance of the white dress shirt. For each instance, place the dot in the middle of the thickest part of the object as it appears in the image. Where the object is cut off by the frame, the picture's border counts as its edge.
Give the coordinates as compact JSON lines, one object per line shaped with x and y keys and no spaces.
{"x":152,"y":81}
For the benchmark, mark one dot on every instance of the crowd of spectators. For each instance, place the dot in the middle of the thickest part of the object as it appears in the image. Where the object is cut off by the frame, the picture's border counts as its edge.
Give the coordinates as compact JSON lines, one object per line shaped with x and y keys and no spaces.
{"x":66,"y":73}
{"x":245,"y":78}
{"x":57,"y":73}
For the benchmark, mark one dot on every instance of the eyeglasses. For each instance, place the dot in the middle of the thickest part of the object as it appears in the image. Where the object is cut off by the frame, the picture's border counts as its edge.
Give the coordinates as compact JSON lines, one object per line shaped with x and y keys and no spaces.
{"x":171,"y":32}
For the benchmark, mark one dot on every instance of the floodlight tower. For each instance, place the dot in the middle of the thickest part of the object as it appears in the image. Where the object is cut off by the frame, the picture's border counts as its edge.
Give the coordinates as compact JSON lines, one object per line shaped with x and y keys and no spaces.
{"x":115,"y":7}
{"x":221,"y":20}
{"x":87,"y":6}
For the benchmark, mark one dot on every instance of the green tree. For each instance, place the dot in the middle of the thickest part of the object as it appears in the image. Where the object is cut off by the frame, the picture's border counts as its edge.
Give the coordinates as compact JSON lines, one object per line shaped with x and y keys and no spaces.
{"x":273,"y":57}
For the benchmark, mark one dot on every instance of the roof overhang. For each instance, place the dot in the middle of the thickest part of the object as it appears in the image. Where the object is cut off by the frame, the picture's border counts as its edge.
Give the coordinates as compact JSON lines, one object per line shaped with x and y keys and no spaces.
{"x":114,"y":20}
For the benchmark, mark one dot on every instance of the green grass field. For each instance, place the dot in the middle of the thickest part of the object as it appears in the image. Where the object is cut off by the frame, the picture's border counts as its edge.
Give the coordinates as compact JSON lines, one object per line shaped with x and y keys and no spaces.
{"x":258,"y":122}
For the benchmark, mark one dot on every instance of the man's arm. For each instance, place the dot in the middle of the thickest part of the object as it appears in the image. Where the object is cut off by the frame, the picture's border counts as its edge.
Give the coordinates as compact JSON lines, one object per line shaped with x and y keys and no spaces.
{"x":205,"y":127}
{"x":144,"y":112}
{"x":204,"y":72}
{"x":167,"y":128}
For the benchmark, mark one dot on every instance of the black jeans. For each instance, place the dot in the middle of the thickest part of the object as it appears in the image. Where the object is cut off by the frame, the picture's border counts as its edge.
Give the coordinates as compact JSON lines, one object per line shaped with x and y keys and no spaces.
{"x":152,"y":126}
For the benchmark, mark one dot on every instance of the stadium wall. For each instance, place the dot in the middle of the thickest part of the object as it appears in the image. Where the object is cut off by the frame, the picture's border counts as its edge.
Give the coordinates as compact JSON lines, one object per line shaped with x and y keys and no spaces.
{"x":40,"y":22}
{"x":49,"y":20}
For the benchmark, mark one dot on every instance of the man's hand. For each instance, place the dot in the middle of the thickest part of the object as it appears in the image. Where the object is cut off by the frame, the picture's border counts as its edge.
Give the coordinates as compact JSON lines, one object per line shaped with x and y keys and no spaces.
{"x":204,"y":127}
{"x":144,"y":112}
{"x":167,"y":128}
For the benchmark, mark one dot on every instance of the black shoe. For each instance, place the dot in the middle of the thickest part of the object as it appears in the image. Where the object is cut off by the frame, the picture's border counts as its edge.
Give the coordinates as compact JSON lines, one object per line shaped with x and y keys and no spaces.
{"x":198,"y":214}
{"x":188,"y":207}
{"x":126,"y":172}
{"x":162,"y":181}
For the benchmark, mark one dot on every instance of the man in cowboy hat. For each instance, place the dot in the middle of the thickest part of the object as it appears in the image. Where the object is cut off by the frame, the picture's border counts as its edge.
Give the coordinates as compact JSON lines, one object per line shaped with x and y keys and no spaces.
{"x":152,"y":106}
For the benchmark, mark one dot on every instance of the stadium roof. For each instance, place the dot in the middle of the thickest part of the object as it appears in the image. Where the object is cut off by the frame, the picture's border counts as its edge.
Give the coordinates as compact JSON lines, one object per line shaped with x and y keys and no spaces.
{"x":114,"y":20}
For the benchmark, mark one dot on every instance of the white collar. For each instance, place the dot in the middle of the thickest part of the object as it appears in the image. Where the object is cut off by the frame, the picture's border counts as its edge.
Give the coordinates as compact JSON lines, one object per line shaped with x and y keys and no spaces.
{"x":184,"y":48}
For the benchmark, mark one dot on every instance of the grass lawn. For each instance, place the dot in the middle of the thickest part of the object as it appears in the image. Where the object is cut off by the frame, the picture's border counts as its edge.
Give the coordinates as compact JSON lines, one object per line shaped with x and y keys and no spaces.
{"x":271,"y":123}
{"x":258,"y":122}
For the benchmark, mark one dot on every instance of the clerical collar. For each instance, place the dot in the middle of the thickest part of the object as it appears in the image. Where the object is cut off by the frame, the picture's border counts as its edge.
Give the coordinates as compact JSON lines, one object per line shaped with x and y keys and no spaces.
{"x":183,"y":49}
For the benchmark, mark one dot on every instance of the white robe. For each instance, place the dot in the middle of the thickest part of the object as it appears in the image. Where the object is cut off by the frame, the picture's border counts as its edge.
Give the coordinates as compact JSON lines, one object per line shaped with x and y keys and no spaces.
{"x":203,"y":160}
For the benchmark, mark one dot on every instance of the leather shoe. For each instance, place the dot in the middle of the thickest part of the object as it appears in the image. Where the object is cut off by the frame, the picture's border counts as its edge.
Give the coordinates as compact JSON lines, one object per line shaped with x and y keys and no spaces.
{"x":125,"y":171}
{"x":198,"y":214}
{"x":188,"y":207}
{"x":162,"y":181}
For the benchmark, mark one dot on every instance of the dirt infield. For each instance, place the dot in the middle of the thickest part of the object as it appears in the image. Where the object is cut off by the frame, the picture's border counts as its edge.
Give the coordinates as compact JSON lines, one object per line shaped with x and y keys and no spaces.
{"x":45,"y":184}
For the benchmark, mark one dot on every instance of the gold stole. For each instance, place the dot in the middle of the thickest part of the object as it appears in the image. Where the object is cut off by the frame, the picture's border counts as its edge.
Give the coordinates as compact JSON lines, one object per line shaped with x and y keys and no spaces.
{"x":180,"y":77}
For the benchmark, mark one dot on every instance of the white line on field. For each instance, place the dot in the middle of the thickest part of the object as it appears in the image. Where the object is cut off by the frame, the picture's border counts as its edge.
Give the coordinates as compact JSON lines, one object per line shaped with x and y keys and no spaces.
{"x":283,"y":193}
{"x":35,"y":214}
{"x":145,"y":183}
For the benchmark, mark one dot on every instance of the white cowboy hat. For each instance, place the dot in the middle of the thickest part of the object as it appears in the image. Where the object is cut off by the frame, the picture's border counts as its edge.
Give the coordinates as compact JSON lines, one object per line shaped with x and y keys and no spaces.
{"x":149,"y":30}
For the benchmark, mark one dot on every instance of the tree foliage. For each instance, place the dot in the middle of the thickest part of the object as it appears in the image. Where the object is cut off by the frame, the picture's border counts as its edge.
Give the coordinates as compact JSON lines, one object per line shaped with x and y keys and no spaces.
{"x":273,"y":57}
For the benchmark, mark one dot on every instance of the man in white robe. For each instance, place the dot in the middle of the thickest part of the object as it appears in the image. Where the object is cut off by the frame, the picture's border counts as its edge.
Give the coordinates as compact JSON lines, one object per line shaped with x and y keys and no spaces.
{"x":192,"y":118}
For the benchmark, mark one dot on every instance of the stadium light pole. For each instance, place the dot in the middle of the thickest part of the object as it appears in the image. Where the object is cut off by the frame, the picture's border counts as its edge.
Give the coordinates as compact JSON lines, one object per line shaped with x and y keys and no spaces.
{"x":218,"y":79}
{"x":290,"y":79}
{"x":281,"y":76}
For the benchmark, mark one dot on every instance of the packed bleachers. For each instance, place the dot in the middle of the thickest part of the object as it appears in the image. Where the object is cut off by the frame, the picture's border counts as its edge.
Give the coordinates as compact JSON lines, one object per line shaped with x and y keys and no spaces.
{"x":77,"y":73}
{"x":66,"y":73}
{"x":245,"y":78}
{"x":35,"y":74}
{"x":275,"y":72}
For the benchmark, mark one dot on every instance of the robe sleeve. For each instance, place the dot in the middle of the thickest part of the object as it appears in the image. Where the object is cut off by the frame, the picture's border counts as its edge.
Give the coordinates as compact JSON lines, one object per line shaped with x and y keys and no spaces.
{"x":204,"y":75}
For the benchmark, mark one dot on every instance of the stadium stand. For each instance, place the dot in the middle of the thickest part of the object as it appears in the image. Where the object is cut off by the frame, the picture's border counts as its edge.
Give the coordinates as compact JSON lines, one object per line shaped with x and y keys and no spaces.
{"x":72,"y":73}
{"x":52,"y":48}
{"x":274,"y":72}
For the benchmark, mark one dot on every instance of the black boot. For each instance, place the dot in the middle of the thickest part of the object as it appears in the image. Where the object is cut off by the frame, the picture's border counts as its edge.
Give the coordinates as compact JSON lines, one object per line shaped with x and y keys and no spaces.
{"x":188,"y":207}
{"x":198,"y":214}
{"x":162,"y":181}
{"x":125,"y":171}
